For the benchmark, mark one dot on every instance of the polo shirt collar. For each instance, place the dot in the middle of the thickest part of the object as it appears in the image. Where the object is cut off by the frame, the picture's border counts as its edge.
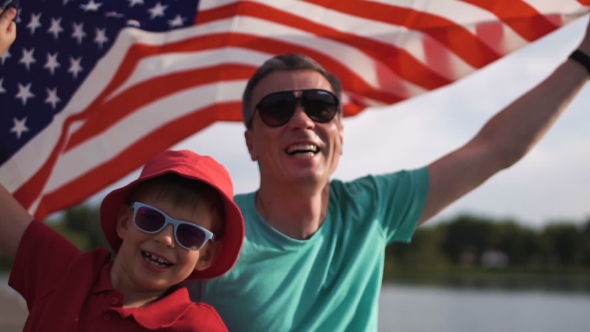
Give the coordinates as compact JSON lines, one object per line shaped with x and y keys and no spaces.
{"x":160,"y":314}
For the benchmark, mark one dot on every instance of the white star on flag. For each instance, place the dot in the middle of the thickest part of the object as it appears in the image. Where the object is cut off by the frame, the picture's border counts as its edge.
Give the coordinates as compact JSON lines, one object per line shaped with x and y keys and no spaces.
{"x":101,"y":37}
{"x":157,"y":10}
{"x":114,"y":14}
{"x":133,"y":23}
{"x":55,"y":28}
{"x":28,"y":58}
{"x":34,"y":23}
{"x":135,"y":2}
{"x":52,"y":97}
{"x":75,"y":67}
{"x":178,"y":21}
{"x":52,"y":63}
{"x":78,"y":33}
{"x":19,"y":127}
{"x":91,"y":6}
{"x":24,"y":93}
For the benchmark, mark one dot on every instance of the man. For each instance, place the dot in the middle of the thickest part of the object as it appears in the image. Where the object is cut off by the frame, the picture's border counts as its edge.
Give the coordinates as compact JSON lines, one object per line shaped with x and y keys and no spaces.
{"x":314,"y":250}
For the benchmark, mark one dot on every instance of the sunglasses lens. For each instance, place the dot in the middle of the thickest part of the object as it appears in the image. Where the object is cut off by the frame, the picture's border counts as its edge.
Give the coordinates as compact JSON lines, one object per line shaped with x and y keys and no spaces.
{"x":321,"y":106}
{"x":190,"y":237}
{"x":276,"y":109}
{"x":149,"y":220}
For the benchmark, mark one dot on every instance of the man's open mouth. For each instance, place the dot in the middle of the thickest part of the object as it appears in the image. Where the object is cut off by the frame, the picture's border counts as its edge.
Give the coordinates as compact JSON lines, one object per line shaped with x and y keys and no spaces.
{"x":302,"y":149}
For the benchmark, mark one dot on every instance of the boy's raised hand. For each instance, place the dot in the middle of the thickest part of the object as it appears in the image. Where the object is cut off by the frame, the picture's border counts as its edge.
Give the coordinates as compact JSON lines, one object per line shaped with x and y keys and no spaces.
{"x":14,"y":219}
{"x":7,"y":28}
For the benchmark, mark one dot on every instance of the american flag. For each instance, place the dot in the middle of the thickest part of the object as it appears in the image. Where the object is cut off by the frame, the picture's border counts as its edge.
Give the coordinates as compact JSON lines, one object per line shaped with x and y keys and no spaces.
{"x":91,"y":89}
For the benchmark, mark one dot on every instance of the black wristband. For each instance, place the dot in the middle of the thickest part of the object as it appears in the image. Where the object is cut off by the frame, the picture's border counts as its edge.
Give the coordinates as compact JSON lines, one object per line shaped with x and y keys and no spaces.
{"x":581,"y":58}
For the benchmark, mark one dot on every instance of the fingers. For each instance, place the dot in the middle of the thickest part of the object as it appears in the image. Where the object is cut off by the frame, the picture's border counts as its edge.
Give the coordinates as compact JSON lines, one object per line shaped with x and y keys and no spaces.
{"x":6,"y":19}
{"x":7,"y":29}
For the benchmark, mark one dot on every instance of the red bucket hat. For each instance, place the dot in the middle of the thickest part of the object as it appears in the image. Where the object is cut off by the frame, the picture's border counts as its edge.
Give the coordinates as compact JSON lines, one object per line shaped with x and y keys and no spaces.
{"x":191,"y":166}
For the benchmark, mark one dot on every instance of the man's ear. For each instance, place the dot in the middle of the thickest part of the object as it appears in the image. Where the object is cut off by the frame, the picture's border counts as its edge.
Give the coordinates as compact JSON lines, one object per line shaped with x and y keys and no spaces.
{"x":208,"y":255}
{"x":248,"y":135}
{"x":124,"y":220}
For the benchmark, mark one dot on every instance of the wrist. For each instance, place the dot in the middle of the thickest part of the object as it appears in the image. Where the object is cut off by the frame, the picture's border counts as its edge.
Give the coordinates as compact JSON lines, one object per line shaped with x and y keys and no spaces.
{"x":581,"y":58}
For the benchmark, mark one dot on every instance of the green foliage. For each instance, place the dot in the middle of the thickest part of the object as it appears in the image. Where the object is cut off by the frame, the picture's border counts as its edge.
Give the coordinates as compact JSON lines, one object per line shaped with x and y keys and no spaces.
{"x":85,"y":219}
{"x":521,"y":244}
{"x":5,"y":261}
{"x":79,"y":238}
{"x":563,"y":243}
{"x":456,"y":245}
{"x":467,"y":235}
{"x":463,"y":241}
{"x":424,"y":250}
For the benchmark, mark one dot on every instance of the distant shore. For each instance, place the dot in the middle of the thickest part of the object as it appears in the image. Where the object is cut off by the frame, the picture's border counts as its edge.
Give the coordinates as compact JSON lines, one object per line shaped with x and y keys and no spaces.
{"x":553,"y":280}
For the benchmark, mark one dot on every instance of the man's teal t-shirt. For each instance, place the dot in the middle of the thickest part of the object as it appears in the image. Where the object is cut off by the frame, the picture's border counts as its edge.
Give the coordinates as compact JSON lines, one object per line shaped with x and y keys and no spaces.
{"x":329,"y":282}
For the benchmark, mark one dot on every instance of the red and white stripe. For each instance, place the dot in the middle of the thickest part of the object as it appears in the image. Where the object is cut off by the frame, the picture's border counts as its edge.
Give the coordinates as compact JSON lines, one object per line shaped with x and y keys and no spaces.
{"x":152,"y":90}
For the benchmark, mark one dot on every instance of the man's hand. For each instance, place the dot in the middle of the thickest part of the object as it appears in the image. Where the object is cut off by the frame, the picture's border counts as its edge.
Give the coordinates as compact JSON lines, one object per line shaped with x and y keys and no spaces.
{"x":7,"y":28}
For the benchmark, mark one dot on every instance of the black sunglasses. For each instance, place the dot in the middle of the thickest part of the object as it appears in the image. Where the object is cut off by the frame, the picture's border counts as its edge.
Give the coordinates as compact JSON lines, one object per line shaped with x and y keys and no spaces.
{"x":276,"y":109}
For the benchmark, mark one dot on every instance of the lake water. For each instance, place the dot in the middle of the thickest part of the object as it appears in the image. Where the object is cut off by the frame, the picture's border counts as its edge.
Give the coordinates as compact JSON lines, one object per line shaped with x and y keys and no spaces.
{"x":421,"y":309}
{"x":426,"y":309}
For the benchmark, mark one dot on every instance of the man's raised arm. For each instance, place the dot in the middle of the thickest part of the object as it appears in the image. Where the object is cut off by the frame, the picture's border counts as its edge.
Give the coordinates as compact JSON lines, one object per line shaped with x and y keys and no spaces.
{"x":506,"y":137}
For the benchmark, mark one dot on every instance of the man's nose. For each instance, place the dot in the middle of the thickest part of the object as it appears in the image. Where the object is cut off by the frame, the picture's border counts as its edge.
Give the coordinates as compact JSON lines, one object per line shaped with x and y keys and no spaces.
{"x":300,"y":119}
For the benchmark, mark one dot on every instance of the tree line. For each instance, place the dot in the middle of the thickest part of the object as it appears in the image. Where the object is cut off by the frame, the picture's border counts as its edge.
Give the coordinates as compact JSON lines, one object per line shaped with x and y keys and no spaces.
{"x":462,"y":241}
{"x":469,"y":240}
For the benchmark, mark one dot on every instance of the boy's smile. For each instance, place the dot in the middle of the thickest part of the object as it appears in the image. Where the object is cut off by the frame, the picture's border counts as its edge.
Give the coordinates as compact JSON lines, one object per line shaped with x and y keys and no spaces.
{"x":156,"y":260}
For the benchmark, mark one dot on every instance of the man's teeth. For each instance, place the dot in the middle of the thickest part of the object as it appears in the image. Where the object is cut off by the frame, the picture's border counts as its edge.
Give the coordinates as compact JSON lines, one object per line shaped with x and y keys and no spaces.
{"x":307,"y":149}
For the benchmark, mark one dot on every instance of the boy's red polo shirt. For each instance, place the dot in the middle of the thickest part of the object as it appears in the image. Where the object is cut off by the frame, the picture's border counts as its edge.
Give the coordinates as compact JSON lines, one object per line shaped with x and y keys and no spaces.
{"x":68,"y":290}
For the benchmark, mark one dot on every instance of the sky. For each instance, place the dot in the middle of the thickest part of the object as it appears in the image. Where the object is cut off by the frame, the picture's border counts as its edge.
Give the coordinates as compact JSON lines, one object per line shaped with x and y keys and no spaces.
{"x":550,"y":184}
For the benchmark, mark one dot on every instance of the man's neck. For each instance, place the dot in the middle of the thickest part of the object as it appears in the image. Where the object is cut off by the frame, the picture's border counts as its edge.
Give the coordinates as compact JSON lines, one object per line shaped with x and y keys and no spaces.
{"x":296,"y":211}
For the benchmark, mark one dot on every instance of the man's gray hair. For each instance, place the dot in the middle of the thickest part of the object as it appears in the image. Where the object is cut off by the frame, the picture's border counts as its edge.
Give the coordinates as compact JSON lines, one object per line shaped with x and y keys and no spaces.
{"x":288,"y":62}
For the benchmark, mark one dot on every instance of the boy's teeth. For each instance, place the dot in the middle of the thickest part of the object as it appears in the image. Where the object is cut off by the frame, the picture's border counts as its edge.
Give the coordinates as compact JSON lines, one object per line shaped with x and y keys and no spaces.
{"x":161,"y":260}
{"x":158,"y":261}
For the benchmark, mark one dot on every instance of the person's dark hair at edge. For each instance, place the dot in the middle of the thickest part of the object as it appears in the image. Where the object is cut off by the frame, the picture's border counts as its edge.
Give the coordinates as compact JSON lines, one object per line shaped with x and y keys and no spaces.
{"x":287,"y":62}
{"x":184,"y":192}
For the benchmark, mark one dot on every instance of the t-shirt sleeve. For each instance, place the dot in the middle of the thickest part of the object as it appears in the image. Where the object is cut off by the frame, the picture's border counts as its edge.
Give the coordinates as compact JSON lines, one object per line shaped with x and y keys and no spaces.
{"x":42,"y":257}
{"x":395,"y":200}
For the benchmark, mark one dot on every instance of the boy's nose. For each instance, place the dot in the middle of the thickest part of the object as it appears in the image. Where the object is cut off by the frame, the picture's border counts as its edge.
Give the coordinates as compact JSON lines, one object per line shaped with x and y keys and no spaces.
{"x":166,"y":236}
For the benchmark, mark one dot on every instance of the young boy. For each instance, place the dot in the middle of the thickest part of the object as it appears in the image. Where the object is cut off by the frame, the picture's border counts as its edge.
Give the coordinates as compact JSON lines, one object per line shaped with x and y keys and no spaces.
{"x":176,"y":222}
